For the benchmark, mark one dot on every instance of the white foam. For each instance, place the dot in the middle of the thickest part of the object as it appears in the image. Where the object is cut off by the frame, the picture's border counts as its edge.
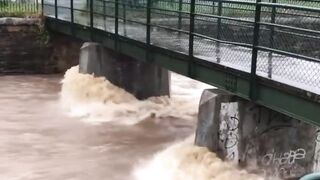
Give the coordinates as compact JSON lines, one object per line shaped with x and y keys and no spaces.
{"x":97,"y":100}
{"x":184,"y":161}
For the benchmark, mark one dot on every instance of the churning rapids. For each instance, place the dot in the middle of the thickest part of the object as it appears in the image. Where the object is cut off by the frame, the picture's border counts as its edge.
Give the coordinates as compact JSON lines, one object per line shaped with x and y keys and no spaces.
{"x":88,"y":129}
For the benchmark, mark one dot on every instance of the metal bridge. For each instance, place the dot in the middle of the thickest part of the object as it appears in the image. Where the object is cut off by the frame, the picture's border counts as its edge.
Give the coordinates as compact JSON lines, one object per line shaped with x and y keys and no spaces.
{"x":267,"y":51}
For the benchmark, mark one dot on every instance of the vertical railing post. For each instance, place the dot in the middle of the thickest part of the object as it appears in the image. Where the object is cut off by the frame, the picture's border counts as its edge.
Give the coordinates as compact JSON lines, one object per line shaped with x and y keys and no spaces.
{"x":271,"y":40}
{"x":42,"y":7}
{"x":219,"y":31}
{"x":37,"y":6}
{"x":124,"y":15}
{"x":213,"y":7}
{"x":180,"y":15}
{"x":56,"y":9}
{"x":19,"y":5}
{"x":148,"y":34}
{"x":191,"y":71}
{"x":6,"y":4}
{"x":116,"y":26}
{"x":23,"y":7}
{"x":88,"y":5}
{"x":2,"y":5}
{"x":9,"y":5}
{"x":104,"y":15}
{"x":71,"y":12}
{"x":91,"y":20}
{"x":72,"y":16}
{"x":256,"y":33}
{"x":219,"y":19}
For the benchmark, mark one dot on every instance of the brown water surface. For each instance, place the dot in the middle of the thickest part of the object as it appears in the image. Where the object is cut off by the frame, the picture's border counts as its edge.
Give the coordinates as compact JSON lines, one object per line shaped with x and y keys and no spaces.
{"x":39,"y":140}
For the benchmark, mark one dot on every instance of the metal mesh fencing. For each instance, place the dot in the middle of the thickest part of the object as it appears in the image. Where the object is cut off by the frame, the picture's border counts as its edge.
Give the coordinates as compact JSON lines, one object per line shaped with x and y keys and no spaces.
{"x":290,"y":41}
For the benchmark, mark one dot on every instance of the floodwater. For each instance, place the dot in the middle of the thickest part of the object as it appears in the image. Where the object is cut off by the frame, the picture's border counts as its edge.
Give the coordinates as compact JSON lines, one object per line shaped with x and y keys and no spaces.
{"x":87,"y":129}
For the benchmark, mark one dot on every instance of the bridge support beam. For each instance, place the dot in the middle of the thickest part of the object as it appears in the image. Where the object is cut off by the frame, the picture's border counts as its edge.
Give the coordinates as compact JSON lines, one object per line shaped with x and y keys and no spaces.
{"x":258,"y":138}
{"x":141,"y":79}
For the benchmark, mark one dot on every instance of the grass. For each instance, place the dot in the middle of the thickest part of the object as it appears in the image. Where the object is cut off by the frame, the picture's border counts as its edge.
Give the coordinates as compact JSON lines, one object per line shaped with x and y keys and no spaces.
{"x":208,"y":7}
{"x":12,"y":9}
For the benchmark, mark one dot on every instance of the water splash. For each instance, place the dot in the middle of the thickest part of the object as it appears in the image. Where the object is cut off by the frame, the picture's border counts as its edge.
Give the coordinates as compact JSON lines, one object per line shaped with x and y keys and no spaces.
{"x":97,"y":100}
{"x":184,"y":161}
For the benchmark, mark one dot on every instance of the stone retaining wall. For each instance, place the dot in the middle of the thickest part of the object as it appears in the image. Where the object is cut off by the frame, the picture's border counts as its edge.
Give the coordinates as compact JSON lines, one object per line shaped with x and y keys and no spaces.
{"x":27,"y":48}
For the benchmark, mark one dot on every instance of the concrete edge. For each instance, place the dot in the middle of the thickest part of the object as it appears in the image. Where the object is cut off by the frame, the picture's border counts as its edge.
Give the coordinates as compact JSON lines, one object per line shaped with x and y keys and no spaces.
{"x":19,"y":21}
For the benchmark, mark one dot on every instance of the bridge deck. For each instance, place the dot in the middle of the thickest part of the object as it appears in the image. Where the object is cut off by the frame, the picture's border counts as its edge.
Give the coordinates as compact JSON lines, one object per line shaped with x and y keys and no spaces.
{"x":287,"y":60}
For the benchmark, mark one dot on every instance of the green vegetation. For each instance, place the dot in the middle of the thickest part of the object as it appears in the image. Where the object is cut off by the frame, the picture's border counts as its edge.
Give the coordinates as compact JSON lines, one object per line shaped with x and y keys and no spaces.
{"x":305,"y":3}
{"x":44,"y":35}
{"x":209,"y":6}
{"x":15,"y":9}
{"x":137,"y":9}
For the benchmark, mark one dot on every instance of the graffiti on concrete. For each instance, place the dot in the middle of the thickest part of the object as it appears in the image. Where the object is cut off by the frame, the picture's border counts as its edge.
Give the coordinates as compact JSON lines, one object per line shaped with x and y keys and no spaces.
{"x":228,"y":130}
{"x":284,"y":158}
{"x":275,"y":143}
{"x":316,"y":165}
{"x":289,"y":172}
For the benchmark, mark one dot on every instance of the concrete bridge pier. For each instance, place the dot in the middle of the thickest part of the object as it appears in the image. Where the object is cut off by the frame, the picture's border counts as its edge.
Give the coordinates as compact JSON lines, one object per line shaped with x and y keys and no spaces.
{"x":257,"y":138}
{"x":141,"y":79}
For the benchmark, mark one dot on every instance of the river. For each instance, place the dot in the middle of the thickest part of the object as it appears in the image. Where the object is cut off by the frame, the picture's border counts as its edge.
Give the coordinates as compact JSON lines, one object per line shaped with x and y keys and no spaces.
{"x":78,"y":127}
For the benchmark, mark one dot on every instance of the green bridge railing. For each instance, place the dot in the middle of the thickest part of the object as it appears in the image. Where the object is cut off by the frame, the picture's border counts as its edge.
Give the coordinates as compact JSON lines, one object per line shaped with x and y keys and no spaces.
{"x":275,"y":39}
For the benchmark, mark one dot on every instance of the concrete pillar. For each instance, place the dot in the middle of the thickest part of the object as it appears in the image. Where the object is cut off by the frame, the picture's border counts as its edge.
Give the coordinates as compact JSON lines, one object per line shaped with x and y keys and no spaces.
{"x":139,"y":78}
{"x":258,"y":138}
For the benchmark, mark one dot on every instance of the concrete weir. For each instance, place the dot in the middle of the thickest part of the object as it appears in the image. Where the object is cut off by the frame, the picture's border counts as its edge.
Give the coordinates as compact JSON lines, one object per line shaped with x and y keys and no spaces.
{"x":258,"y":138}
{"x":141,"y":79}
